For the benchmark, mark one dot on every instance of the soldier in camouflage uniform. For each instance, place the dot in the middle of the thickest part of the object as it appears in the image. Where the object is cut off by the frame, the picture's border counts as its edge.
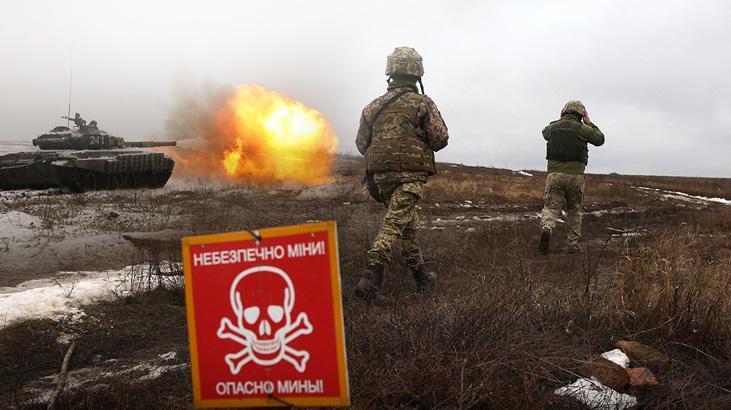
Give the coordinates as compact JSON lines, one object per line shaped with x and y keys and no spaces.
{"x":398,"y":134}
{"x":567,"y":156}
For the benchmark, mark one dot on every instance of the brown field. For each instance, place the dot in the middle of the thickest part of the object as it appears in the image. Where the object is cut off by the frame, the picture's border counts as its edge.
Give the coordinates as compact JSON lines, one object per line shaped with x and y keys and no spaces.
{"x":503,"y":329}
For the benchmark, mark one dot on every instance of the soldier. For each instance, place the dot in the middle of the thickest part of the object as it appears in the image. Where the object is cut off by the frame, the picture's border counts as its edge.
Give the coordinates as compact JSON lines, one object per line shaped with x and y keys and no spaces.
{"x":398,"y":134}
{"x":567,"y":156}
{"x":80,"y":122}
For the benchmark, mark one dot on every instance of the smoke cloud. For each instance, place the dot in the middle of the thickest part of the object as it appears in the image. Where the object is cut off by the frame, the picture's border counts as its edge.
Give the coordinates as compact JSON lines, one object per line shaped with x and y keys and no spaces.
{"x":249,"y":133}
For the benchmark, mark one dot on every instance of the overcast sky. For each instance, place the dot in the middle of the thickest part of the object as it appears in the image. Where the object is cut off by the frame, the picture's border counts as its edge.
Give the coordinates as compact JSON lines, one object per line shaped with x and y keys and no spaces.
{"x":654,"y":75}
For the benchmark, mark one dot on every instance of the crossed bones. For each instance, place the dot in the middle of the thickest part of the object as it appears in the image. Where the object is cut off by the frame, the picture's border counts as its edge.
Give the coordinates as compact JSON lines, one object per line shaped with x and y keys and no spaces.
{"x":298,"y":358}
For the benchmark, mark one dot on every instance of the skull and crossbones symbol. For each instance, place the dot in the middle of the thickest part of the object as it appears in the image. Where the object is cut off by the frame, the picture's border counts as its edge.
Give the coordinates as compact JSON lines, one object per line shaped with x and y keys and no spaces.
{"x":262,"y":299}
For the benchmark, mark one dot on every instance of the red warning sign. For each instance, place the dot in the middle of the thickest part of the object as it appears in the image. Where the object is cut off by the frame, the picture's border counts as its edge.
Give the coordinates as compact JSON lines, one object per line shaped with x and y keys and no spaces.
{"x":265,"y":318}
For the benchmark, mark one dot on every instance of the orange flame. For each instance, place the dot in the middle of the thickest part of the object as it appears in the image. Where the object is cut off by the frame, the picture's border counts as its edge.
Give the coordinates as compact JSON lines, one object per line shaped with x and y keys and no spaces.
{"x":261,"y":136}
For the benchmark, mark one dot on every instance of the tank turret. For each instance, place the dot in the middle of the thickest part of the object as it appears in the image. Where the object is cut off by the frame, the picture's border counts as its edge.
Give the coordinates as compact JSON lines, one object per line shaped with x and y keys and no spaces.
{"x":89,"y":136}
{"x":85,"y":157}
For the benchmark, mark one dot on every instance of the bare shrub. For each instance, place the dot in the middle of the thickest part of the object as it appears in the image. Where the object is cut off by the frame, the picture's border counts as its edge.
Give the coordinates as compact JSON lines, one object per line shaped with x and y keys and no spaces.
{"x":146,"y":277}
{"x":495,"y":344}
{"x":67,"y":282}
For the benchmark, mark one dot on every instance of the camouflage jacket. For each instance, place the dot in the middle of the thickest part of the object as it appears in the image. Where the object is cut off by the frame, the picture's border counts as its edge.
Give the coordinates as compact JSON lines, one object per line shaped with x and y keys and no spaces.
{"x":430,"y":129}
{"x":589,"y":133}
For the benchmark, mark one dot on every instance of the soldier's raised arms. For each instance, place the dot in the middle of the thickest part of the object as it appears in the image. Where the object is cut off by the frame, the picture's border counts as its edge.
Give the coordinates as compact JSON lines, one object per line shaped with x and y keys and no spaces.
{"x":592,"y":134}
{"x":567,"y":155}
{"x":587,"y":132}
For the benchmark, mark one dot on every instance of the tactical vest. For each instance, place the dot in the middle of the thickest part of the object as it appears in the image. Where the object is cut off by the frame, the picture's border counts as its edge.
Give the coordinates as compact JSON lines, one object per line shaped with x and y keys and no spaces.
{"x":395,"y":145}
{"x":565,"y":143}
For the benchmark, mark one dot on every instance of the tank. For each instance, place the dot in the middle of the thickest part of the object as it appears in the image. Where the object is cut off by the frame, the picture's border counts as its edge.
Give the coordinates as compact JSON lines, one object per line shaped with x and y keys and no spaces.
{"x":86,"y":158}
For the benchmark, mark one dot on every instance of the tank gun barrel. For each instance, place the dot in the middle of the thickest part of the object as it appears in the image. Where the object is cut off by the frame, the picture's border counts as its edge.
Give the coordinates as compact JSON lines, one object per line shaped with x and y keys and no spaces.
{"x":149,"y":144}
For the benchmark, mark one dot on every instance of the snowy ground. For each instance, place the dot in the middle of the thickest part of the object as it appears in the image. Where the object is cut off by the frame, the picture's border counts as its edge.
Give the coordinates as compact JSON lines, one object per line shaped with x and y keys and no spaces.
{"x":682,"y":196}
{"x":97,"y":376}
{"x":63,"y":295}
{"x":10,"y":147}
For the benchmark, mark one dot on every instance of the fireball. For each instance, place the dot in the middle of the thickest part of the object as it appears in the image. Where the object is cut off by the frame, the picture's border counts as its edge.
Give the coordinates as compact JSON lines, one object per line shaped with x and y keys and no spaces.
{"x":260,"y":136}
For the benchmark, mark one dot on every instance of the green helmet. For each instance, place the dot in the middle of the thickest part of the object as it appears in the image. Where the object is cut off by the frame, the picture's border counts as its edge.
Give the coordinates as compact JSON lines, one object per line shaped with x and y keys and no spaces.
{"x":404,"y":61}
{"x":574,"y":106}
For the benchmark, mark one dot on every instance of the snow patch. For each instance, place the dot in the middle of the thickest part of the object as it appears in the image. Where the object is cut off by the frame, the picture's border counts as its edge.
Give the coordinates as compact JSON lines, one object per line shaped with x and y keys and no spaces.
{"x":626,"y":233}
{"x":596,"y":395}
{"x":440,"y":222}
{"x":17,"y":226}
{"x":613,"y":211}
{"x":168,"y":356}
{"x":62,"y":297}
{"x":19,"y":219}
{"x":153,"y":371}
{"x":19,"y":194}
{"x":682,"y":196}
{"x":12,"y":147}
{"x":524,"y":173}
{"x":90,"y":378}
{"x":158,"y":371}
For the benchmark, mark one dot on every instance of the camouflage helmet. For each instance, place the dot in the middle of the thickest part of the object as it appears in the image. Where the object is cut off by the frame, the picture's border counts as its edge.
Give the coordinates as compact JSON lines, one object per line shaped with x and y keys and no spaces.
{"x":574,"y":106}
{"x":404,"y":61}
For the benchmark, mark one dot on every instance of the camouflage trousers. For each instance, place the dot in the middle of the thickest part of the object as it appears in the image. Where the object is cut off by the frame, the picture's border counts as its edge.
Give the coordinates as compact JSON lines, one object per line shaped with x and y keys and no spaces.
{"x":401,"y":222}
{"x":560,"y":188}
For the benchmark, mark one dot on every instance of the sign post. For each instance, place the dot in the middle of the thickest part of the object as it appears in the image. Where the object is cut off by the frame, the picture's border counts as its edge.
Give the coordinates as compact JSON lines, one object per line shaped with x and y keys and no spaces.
{"x":265,"y":318}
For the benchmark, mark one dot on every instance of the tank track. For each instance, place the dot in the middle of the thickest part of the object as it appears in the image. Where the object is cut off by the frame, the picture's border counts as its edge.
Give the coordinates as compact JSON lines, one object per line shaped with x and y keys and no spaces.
{"x":85,"y":170}
{"x":79,"y":180}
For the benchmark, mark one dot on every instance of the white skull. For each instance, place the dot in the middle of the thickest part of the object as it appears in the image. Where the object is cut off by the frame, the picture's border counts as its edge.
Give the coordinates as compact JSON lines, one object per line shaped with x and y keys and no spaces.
{"x":262,"y":299}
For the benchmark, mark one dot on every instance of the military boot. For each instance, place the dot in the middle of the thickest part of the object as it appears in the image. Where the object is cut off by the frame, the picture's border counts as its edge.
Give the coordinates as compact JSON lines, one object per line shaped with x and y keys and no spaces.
{"x":425,"y":281}
{"x":545,"y":239}
{"x":369,"y":286}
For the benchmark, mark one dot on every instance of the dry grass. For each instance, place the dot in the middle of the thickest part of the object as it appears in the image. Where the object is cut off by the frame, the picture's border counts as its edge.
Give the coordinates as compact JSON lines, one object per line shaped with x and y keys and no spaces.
{"x":499,"y":339}
{"x":682,"y":293}
{"x":505,"y":326}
